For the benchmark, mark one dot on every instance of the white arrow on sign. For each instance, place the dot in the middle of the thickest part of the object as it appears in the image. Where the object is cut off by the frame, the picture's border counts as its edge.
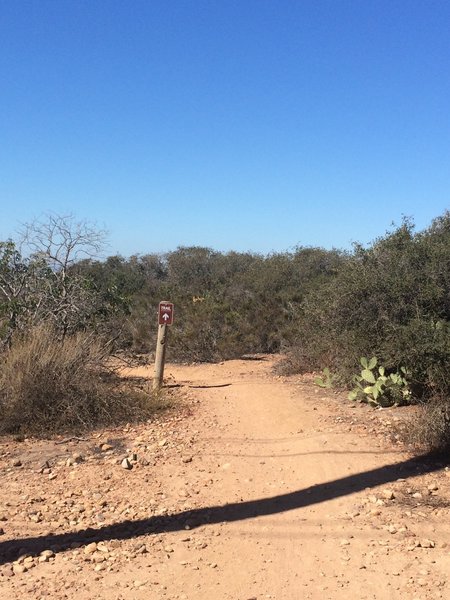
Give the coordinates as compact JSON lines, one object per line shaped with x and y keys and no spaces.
{"x":165,"y":317}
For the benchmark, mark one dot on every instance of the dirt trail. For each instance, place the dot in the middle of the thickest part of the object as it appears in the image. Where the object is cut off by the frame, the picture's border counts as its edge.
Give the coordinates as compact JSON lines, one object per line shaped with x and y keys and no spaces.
{"x":265,"y":487}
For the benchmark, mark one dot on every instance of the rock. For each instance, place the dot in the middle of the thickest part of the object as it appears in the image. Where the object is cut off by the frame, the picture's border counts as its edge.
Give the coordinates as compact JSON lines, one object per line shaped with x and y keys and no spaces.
{"x":52,"y":476}
{"x":426,"y":544}
{"x":43,"y":559}
{"x":186,"y":459}
{"x":106,"y":447}
{"x":90,"y":548}
{"x":433,"y":487}
{"x":16,"y":462}
{"x":392,"y":529}
{"x":126,"y":464}
{"x":29,"y":562}
{"x":388,"y":494}
{"x":7,"y":571}
{"x":19,"y":569}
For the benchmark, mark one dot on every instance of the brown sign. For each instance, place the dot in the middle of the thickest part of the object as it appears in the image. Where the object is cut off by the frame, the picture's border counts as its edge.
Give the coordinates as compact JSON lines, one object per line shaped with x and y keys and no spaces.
{"x":165,"y":315}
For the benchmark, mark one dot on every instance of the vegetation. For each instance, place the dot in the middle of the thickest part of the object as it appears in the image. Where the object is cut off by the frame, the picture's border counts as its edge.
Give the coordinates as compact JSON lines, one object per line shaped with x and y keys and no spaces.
{"x":324,"y":309}
{"x":54,"y":387}
{"x":377,"y":387}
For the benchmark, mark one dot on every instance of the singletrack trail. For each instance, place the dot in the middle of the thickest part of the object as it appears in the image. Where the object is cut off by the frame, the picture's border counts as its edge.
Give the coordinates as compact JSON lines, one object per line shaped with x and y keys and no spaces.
{"x":263,"y":487}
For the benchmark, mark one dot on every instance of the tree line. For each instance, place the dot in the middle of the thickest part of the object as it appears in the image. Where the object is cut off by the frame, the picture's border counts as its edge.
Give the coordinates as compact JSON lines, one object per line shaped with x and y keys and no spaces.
{"x":320,"y":308}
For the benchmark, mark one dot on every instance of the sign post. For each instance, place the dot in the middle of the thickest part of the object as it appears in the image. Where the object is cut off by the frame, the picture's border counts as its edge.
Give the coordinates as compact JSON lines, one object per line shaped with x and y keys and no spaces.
{"x":165,"y":318}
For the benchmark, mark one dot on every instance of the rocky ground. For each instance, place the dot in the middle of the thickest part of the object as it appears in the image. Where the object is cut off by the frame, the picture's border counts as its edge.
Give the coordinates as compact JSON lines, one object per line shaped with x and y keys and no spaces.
{"x":254,"y":486}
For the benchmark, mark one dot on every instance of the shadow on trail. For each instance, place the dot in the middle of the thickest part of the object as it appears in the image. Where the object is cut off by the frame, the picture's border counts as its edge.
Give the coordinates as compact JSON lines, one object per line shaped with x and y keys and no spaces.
{"x":237,"y":511}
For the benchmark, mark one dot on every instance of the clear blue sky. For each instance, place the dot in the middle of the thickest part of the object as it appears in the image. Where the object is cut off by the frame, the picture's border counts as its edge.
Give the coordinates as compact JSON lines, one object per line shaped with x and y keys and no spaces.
{"x":235,"y":124}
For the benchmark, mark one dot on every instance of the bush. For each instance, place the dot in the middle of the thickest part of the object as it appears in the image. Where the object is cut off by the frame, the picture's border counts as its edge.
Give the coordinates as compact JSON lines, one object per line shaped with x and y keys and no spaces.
{"x":390,"y":300}
{"x":430,"y":428}
{"x":48,"y":385}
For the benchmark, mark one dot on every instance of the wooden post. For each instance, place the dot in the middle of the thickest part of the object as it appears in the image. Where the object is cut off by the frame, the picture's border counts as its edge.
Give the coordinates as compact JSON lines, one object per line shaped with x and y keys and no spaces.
{"x":160,"y":356}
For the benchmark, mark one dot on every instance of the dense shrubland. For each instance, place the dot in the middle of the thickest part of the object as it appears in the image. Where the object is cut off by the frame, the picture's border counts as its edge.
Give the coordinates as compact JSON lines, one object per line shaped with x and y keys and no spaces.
{"x":321,"y":308}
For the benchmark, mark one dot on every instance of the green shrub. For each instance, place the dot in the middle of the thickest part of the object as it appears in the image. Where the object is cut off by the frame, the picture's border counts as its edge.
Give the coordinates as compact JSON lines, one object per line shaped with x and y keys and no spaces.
{"x":389,"y":300}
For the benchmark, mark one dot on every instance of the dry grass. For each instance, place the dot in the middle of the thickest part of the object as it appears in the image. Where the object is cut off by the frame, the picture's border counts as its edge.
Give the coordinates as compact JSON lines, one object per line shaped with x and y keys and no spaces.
{"x":430,"y":426}
{"x":48,"y":385}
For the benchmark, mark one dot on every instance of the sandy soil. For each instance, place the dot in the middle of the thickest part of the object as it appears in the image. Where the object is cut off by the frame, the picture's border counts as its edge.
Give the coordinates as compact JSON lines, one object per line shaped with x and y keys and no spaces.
{"x":255,"y":487}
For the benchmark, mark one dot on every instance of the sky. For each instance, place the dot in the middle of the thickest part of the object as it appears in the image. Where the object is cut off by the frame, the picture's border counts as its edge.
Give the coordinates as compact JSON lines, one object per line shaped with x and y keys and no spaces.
{"x":248,"y":125}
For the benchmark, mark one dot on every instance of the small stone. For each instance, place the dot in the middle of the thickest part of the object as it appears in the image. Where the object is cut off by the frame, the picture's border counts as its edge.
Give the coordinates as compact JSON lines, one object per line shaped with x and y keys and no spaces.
{"x":90,"y":548}
{"x":433,"y":487}
{"x":16,"y":462}
{"x":106,"y":447}
{"x":392,"y":529}
{"x":417,"y":495}
{"x":19,"y":569}
{"x":187,"y":459}
{"x":388,"y":494}
{"x":162,"y":443}
{"x":126,"y":464}
{"x":345,"y":543}
{"x":426,"y":544}
{"x":52,"y":476}
{"x":7,"y":571}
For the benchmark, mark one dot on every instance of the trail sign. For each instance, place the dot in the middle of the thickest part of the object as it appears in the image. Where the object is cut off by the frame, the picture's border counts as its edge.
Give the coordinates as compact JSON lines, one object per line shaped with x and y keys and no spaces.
{"x":165,"y":314}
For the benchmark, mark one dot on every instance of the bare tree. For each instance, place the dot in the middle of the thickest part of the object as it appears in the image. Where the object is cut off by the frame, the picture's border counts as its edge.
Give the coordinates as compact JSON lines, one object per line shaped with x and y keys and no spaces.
{"x":61,"y":241}
{"x":38,"y":282}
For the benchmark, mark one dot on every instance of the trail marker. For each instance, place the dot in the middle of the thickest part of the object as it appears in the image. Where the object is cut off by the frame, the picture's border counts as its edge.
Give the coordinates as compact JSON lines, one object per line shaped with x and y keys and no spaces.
{"x":165,"y":318}
{"x":165,"y":313}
